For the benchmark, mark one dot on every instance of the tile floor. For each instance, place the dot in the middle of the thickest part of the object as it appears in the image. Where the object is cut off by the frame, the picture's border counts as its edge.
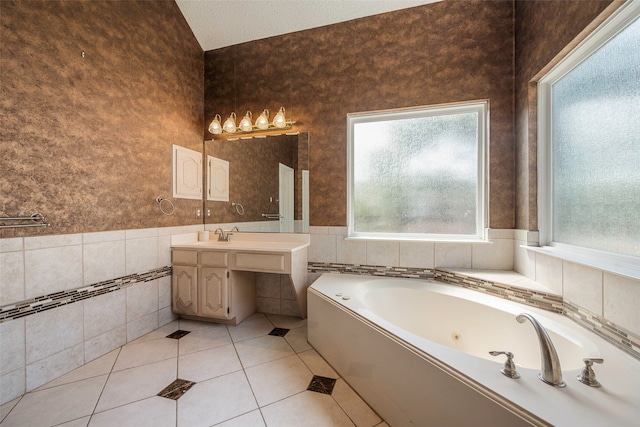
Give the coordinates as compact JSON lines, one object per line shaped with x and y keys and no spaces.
{"x":244,"y":377}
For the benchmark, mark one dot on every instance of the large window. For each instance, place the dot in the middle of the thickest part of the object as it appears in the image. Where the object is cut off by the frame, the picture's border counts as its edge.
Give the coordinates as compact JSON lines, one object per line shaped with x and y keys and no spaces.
{"x":417,"y":173}
{"x":589,"y":146}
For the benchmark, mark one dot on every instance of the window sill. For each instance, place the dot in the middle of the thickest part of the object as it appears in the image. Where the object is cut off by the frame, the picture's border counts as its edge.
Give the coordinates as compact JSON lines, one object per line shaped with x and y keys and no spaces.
{"x":627,"y":267}
{"x":410,"y":239}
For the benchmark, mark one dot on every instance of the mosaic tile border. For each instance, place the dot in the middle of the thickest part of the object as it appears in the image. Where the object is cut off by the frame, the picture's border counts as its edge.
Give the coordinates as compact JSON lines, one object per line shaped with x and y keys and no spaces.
{"x":57,"y":299}
{"x":536,"y":299}
{"x":619,"y":337}
{"x":371,"y":270}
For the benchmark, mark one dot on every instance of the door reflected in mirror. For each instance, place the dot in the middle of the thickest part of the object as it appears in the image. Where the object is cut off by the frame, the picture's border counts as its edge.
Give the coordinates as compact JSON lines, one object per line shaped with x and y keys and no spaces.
{"x":258,"y":183}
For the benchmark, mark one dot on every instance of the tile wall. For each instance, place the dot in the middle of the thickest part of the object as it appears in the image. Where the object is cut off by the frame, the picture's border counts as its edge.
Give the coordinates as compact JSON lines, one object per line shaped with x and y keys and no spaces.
{"x":330,"y":245}
{"x":602,"y":295}
{"x":40,"y":347}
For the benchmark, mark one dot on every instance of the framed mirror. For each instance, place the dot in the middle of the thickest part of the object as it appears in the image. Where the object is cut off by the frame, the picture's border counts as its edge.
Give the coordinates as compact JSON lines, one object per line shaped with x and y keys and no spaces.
{"x":258,"y":183}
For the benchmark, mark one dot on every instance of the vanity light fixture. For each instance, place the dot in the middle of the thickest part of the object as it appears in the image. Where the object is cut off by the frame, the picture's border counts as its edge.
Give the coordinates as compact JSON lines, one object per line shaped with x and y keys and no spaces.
{"x":261,"y":125}
{"x":215,"y":127}
{"x":245,"y":124}
{"x":279,"y":120}
{"x":229,"y":125}
{"x":262,"y":122}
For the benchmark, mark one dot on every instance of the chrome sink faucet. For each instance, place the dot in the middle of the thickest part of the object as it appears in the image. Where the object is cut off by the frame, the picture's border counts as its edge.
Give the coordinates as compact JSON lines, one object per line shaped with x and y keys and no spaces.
{"x":551,"y":372}
{"x":222,"y":236}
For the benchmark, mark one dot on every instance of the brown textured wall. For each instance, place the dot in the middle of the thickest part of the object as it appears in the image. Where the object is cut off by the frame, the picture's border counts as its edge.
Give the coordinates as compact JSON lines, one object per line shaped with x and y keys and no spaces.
{"x":443,"y":52}
{"x":545,"y":30}
{"x":87,"y":141}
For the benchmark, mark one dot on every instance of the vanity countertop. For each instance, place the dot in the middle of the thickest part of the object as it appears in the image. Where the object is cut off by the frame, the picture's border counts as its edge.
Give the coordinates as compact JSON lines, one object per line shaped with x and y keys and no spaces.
{"x":243,"y":245}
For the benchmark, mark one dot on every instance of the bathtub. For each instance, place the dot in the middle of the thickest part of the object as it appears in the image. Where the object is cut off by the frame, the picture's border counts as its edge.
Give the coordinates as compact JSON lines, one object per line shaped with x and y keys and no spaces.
{"x":418,"y":353}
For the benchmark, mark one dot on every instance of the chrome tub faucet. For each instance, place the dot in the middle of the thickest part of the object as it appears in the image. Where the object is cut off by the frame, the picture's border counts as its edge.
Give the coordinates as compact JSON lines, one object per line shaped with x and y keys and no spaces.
{"x":551,"y":372}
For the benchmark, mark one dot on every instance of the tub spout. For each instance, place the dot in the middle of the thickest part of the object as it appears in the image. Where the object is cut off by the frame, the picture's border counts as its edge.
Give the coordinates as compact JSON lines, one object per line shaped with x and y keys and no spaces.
{"x":551,"y":373}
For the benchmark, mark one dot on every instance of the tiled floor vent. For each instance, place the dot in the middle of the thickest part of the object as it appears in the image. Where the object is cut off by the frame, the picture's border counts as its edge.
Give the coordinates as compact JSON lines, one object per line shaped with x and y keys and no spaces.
{"x":279,"y":332}
{"x":176,"y":389}
{"x":322,"y":385}
{"x":178,"y":334}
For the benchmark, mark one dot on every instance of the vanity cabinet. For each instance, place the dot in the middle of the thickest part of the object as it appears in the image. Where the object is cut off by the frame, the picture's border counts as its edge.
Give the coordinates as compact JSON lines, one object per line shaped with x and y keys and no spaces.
{"x":203,"y":286}
{"x":216,"y":280}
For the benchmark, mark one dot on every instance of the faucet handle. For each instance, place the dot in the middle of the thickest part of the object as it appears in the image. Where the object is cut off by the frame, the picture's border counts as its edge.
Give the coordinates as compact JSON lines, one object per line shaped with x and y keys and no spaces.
{"x":509,"y":369}
{"x":588,"y":376}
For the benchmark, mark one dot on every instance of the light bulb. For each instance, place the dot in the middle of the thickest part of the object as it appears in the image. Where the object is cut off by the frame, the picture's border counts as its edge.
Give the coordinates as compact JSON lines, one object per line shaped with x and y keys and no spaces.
{"x":262,"y":122}
{"x":215,"y":127}
{"x":229,"y":125}
{"x":279,"y":120}
{"x":245,"y":124}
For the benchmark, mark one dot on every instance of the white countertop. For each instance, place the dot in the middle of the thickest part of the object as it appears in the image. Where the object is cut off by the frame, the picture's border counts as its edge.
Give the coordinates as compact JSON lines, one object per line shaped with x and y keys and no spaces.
{"x":252,"y":242}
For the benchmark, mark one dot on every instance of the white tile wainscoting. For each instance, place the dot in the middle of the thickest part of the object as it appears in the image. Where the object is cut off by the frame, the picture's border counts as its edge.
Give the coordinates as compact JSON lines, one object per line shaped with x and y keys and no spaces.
{"x":41,"y":347}
{"x":37,"y":348}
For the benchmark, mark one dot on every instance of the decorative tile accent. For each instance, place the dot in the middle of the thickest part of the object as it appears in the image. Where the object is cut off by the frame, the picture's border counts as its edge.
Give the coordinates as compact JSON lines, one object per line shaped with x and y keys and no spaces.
{"x":57,"y":299}
{"x":372,"y":270}
{"x":279,"y":332}
{"x":543,"y":300}
{"x":178,"y":334}
{"x":176,"y":389}
{"x":322,"y":385}
{"x":620,"y":337}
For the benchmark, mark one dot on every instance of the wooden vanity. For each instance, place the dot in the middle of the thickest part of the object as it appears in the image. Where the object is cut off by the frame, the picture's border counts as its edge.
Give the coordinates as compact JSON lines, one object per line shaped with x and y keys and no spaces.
{"x":216,"y":280}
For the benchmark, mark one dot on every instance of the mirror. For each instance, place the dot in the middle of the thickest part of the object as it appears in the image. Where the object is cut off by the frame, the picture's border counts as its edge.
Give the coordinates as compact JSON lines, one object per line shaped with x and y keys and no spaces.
{"x":258,"y":183}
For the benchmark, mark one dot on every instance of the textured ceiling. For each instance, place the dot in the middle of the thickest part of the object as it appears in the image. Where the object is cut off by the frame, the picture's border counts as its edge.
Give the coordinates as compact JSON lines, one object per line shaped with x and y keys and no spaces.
{"x":220,"y":23}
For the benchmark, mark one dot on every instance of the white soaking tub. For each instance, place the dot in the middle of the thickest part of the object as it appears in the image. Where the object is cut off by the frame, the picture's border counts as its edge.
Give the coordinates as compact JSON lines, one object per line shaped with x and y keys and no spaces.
{"x":418,"y":353}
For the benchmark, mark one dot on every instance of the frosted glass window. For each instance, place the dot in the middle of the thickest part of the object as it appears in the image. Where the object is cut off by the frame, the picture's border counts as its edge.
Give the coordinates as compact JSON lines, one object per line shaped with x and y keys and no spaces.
{"x":417,"y":172}
{"x":595,"y":149}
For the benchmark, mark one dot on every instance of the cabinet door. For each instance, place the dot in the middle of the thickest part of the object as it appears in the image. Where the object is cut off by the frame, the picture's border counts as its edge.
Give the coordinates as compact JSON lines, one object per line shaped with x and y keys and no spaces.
{"x":184,"y":287}
{"x":213,"y":293}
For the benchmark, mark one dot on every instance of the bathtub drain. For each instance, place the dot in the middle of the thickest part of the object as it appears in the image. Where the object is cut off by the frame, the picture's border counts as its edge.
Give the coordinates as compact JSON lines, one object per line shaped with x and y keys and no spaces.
{"x":456,"y":336}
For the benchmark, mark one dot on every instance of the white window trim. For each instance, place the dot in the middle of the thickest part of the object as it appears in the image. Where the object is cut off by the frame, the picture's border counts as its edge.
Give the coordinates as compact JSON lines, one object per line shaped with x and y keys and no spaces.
{"x":480,"y":106}
{"x":616,"y":263}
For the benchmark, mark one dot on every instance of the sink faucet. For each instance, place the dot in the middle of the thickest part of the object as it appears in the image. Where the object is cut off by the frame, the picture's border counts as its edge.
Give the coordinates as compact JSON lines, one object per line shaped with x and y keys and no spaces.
{"x":551,"y":373}
{"x":222,"y":236}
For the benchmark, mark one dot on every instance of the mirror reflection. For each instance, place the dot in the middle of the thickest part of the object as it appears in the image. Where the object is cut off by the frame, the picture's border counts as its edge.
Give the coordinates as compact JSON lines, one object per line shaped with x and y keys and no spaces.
{"x":259,"y":183}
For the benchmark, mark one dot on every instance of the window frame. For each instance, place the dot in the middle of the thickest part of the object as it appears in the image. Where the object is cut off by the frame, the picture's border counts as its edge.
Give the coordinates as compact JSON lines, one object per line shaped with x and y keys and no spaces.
{"x":626,"y":265}
{"x":480,"y":106}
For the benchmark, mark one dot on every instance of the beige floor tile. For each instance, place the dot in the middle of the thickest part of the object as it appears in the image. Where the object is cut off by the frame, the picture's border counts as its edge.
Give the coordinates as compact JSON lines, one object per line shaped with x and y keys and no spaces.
{"x":264,"y":349}
{"x":297,"y":338}
{"x":159,"y":333}
{"x":7,"y":407}
{"x":203,"y":339}
{"x":195,"y":325}
{"x":279,"y":379}
{"x":155,"y":411}
{"x":100,"y":366}
{"x":216,"y":400}
{"x":317,"y":364}
{"x":80,"y":422}
{"x":250,"y":328}
{"x":138,"y":383}
{"x":289,"y":322}
{"x":359,"y":412}
{"x":252,"y":419}
{"x":146,"y":352}
{"x":307,"y":409}
{"x":207,"y":364}
{"x":57,"y":404}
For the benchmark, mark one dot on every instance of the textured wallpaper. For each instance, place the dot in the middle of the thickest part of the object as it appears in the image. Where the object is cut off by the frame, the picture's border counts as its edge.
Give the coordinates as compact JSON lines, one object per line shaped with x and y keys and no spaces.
{"x":545,"y":29}
{"x":86,"y":138}
{"x":437,"y":53}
